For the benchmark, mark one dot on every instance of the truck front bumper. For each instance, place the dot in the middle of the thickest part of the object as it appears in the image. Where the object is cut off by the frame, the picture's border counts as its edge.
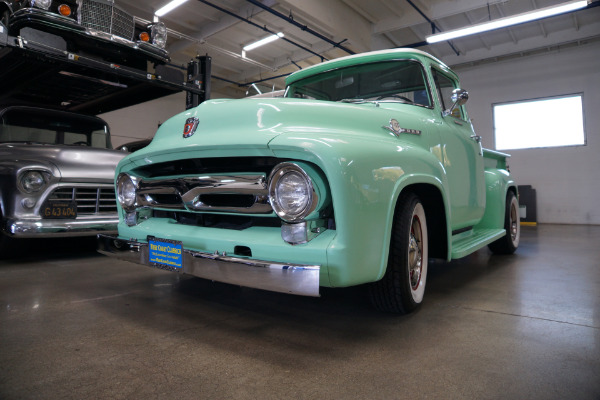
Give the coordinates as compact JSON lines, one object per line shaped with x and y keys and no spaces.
{"x":259,"y":274}
{"x":37,"y":228}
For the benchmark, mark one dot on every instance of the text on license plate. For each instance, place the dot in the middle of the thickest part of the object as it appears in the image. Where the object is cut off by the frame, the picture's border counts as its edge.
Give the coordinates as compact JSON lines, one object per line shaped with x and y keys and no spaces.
{"x":165,"y":252}
{"x":59,"y":210}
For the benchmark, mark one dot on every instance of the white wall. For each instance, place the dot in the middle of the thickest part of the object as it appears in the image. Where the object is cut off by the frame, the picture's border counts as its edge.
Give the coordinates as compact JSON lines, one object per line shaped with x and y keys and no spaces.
{"x":567,"y":179}
{"x":142,"y":120}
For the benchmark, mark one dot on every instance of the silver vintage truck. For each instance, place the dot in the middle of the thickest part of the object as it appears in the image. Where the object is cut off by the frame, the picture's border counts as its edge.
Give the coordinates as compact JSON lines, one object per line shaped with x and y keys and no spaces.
{"x":56,"y":175}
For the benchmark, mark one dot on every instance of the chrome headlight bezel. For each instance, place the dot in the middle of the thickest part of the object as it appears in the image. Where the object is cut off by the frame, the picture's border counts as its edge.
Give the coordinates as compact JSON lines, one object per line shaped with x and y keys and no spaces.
{"x":33,"y":180}
{"x":43,"y":4}
{"x":127,"y":201}
{"x":276,"y":178}
{"x":158,"y":34}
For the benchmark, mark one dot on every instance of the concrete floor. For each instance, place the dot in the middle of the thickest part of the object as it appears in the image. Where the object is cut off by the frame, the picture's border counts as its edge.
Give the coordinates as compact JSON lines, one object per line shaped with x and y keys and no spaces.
{"x":76,"y":325}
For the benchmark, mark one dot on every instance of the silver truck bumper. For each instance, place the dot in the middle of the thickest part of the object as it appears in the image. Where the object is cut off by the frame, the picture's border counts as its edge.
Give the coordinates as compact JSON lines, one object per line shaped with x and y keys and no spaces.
{"x":267,"y":275}
{"x":59,"y":227}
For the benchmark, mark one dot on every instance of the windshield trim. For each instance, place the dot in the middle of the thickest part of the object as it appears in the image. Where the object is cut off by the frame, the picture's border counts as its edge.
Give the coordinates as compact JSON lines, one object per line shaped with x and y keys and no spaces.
{"x":423,"y":71}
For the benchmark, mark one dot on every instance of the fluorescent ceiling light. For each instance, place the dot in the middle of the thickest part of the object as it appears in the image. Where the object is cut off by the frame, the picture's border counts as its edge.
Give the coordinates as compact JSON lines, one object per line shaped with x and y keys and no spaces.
{"x":509,"y":21}
{"x":264,"y":41}
{"x":169,"y":7}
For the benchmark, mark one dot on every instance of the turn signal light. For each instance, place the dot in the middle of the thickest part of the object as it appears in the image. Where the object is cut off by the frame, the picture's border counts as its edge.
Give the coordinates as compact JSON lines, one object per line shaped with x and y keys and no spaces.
{"x":64,"y":10}
{"x":144,"y":37}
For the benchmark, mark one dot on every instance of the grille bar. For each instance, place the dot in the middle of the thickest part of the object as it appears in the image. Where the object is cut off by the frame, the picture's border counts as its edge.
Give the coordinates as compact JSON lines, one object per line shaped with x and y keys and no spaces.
{"x":105,"y":17}
{"x":245,"y":193}
{"x":89,"y":200}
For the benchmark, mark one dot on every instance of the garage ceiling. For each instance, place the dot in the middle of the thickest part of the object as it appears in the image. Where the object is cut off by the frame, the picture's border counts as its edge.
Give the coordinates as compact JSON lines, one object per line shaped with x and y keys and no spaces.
{"x":359,"y":25}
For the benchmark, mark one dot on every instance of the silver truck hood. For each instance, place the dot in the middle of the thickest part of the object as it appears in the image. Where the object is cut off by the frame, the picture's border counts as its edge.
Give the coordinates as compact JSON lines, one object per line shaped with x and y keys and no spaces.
{"x":74,"y":163}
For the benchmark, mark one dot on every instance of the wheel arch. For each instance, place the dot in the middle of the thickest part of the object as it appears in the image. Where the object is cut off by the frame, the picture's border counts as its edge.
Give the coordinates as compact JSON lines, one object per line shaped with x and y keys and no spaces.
{"x":430,"y":191}
{"x":498,"y":184}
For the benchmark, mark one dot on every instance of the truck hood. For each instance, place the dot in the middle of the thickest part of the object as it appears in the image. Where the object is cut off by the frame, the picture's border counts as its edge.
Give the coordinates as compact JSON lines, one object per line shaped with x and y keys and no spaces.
{"x":70,"y":163}
{"x":253,"y":123}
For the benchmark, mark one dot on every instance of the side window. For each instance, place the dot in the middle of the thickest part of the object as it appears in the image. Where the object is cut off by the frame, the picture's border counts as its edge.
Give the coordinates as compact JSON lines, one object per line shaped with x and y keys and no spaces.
{"x":75,"y":138}
{"x":444,"y":87}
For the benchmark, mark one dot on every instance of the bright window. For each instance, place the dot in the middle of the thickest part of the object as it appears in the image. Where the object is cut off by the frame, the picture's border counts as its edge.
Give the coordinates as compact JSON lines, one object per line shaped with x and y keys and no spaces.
{"x":549,"y":122}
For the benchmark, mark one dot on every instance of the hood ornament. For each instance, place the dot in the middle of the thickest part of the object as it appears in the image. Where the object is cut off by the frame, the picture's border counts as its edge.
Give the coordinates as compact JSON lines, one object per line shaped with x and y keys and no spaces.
{"x":190,"y":126}
{"x":396,"y":129}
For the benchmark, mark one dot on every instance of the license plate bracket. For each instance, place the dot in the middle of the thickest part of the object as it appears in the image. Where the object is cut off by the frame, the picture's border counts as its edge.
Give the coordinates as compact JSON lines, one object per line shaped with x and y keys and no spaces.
{"x":165,"y":253}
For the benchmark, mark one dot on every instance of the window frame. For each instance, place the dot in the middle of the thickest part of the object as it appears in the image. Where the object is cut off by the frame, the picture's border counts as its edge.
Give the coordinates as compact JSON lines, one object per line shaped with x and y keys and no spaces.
{"x":456,"y":84}
{"x":530,"y":100}
{"x":421,"y":65}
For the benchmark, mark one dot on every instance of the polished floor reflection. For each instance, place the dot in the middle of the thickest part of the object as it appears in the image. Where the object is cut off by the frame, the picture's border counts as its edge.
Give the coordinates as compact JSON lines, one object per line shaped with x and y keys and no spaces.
{"x":77,"y":325}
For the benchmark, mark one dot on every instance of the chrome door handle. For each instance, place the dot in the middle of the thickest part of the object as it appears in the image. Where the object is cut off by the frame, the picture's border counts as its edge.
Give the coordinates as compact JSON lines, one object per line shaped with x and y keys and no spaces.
{"x":476,"y":138}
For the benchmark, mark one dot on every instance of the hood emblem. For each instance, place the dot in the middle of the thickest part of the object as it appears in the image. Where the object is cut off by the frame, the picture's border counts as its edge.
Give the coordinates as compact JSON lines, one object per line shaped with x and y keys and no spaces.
{"x":396,"y":129}
{"x":190,"y":127}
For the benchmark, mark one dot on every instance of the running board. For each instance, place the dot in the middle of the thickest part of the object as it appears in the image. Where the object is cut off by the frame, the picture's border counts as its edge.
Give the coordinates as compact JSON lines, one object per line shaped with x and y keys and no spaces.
{"x":466,"y":243}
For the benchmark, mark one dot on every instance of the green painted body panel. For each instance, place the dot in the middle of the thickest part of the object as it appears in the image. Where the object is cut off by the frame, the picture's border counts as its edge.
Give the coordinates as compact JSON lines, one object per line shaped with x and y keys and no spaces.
{"x":466,"y":243}
{"x":359,"y":166}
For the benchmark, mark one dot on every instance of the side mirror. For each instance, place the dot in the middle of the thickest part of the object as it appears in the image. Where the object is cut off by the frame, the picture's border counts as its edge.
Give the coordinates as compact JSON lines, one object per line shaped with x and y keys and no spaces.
{"x":459,"y":98}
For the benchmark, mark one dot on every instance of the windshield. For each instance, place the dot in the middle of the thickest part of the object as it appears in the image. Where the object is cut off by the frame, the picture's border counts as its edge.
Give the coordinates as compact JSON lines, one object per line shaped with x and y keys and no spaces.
{"x":52,"y":127}
{"x":400,"y":81}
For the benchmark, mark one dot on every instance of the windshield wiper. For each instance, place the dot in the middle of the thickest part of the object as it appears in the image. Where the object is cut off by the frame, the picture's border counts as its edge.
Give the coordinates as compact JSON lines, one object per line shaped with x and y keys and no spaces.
{"x":354,"y":101}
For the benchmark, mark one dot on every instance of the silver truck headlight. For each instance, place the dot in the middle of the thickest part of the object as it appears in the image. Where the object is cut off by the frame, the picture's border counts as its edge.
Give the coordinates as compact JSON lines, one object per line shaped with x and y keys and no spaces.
{"x":291,"y":192}
{"x":127,"y":191}
{"x":159,"y":34}
{"x":33,"y":181}
{"x":43,"y":4}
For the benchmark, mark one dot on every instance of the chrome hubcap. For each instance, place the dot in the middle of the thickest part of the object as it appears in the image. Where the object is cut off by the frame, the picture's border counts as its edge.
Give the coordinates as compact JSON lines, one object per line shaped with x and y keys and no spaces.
{"x":514,"y":220}
{"x":415,"y":254}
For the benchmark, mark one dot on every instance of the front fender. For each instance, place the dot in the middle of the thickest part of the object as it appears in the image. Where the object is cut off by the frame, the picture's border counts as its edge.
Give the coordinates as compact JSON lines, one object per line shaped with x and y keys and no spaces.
{"x":10,"y":195}
{"x":366,"y":176}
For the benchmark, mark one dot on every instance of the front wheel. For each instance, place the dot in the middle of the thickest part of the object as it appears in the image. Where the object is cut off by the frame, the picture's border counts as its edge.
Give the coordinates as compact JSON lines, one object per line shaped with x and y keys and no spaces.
{"x":402,"y":287}
{"x":508,"y":243}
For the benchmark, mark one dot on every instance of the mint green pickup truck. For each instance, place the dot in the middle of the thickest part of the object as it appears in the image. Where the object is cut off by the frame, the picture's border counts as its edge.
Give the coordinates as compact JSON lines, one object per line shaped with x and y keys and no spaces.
{"x":365,"y":169}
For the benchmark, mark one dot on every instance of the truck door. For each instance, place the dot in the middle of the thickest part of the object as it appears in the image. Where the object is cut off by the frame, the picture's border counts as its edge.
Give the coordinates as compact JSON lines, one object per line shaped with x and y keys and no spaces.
{"x":462,"y":157}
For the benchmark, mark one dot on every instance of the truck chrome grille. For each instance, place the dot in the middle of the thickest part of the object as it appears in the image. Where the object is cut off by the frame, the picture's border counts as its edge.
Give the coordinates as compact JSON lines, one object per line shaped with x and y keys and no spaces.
{"x":105,"y":17}
{"x":245,"y":193}
{"x":89,"y":200}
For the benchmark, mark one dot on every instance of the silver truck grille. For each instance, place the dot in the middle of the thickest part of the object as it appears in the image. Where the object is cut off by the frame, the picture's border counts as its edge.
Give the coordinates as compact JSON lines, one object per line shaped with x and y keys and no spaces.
{"x":221,"y":193}
{"x":89,"y":200}
{"x":105,"y":17}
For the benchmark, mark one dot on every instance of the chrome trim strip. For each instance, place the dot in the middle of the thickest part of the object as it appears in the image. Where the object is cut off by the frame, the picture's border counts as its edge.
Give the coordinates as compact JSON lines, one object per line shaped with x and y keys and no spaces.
{"x":259,"y":274}
{"x":38,"y":228}
{"x":189,"y":189}
{"x":395,"y":128}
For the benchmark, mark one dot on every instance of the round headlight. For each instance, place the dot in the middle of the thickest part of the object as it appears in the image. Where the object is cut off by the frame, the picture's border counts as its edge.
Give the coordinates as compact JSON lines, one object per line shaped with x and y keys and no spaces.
{"x":291,"y":192}
{"x":43,"y":4}
{"x":126,"y":191}
{"x":33,"y":181}
{"x":159,"y":34}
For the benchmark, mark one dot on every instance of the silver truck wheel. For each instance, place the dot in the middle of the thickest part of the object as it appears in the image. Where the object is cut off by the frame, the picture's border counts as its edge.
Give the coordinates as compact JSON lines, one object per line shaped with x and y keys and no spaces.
{"x":402,"y":288}
{"x":512,"y":223}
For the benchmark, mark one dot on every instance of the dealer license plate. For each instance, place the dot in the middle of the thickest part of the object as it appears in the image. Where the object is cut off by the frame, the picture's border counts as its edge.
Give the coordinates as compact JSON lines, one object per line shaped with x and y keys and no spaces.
{"x":165,"y":253}
{"x":54,"y":209}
